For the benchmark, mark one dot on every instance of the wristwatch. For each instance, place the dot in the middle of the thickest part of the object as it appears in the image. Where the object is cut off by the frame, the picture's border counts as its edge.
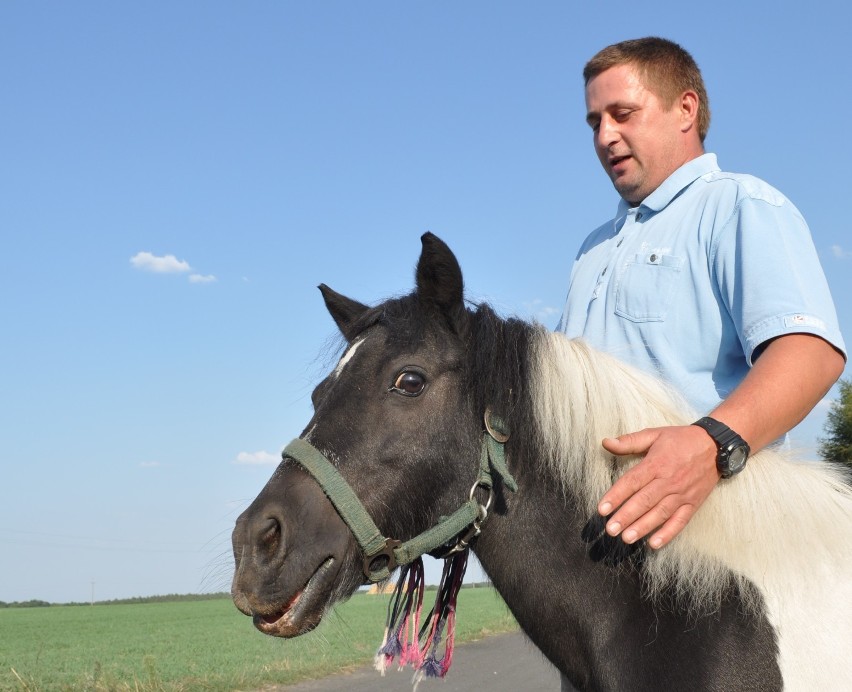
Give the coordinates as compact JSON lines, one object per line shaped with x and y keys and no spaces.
{"x":733,"y":450}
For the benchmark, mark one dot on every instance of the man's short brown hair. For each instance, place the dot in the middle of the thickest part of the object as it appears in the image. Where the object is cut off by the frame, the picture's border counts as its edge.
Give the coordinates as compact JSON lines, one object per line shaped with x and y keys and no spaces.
{"x":664,"y":67}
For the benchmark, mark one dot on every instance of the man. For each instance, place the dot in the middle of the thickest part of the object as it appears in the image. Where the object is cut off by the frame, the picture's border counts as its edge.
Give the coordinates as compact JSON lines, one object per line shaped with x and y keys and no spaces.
{"x":708,"y":279}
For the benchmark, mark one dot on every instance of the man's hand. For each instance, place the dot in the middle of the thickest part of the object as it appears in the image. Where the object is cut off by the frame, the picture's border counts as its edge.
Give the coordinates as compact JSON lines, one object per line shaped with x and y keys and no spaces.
{"x":663,"y":490}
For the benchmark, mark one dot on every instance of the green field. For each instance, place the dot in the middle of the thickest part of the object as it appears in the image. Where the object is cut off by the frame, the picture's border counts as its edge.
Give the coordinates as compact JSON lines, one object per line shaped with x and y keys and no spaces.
{"x":199,"y":645}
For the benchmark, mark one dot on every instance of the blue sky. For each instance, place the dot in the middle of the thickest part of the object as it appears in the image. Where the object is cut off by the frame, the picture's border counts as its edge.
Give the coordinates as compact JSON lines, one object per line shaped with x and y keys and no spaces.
{"x":258,"y":149}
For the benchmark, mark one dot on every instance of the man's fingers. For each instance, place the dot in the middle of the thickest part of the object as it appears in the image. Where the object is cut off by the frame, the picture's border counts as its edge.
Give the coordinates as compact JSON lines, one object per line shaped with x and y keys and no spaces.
{"x":637,"y":477}
{"x":647,"y":518}
{"x":662,"y":492}
{"x":644,"y":507}
{"x":631,"y":483}
{"x":672,"y":527}
{"x":631,"y":443}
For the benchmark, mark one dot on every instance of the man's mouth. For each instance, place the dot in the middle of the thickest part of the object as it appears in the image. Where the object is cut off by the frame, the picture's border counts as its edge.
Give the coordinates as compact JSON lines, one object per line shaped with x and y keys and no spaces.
{"x":616,"y":163}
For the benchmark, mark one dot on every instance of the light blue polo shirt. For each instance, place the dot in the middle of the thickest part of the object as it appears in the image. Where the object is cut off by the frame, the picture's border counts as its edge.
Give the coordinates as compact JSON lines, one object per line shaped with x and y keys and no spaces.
{"x":689,"y":283}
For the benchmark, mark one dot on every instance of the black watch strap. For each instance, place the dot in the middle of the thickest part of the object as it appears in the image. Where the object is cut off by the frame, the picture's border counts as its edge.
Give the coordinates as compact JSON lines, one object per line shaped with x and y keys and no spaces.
{"x":722,"y":435}
{"x":726,"y":442}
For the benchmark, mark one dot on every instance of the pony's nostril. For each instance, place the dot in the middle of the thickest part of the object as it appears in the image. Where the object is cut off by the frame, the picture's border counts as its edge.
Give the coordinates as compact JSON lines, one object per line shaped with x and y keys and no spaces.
{"x":269,"y":531}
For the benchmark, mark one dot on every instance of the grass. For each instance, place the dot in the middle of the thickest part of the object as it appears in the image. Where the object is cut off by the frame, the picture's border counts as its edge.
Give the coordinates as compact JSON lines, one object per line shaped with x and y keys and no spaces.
{"x":199,"y":645}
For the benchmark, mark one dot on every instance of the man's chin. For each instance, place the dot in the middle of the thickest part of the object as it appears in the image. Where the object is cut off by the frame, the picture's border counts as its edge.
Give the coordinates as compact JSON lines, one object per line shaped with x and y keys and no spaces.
{"x":628,"y":192}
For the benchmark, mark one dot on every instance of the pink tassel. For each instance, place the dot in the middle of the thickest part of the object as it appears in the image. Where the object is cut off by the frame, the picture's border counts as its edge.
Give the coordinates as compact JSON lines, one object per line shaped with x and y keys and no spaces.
{"x":421,"y":647}
{"x":403,"y":621}
{"x":443,"y":619}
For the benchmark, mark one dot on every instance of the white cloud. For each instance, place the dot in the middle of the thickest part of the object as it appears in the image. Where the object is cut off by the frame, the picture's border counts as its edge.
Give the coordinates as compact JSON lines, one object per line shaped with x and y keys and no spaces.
{"x":168,"y":264}
{"x":824,"y":404}
{"x":201,"y":278}
{"x":539,"y":311}
{"x":839,"y":252}
{"x":260,"y":458}
{"x":547,"y":312}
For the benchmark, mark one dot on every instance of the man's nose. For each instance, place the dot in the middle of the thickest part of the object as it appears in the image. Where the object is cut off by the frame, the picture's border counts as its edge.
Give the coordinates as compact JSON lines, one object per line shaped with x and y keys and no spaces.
{"x":607,"y":133}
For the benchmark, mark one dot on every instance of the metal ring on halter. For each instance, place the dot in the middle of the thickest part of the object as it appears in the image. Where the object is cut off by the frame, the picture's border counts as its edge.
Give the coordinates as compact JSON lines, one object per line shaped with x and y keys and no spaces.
{"x":487,"y":504}
{"x":476,"y":526}
{"x":499,"y":436}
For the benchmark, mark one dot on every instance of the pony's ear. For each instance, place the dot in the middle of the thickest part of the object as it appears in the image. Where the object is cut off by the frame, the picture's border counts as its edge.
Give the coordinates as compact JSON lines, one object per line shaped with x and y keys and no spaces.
{"x":344,"y":311}
{"x":439,"y":280}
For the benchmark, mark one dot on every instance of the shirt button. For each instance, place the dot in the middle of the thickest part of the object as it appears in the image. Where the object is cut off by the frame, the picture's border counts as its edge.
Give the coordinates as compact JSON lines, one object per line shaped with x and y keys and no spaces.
{"x":620,"y":241}
{"x":653,"y":258}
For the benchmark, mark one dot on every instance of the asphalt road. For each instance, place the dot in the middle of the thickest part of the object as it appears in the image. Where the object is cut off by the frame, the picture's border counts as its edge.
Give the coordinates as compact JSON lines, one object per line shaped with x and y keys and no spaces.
{"x":500,"y":663}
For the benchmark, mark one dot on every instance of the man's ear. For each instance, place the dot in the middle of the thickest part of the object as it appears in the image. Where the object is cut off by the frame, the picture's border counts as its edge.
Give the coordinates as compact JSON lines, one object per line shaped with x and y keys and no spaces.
{"x":689,"y":105}
{"x":344,"y":311}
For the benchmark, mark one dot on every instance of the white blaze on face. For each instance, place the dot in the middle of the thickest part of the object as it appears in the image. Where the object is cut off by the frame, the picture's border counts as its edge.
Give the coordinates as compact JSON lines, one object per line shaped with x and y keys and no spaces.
{"x":347,"y":357}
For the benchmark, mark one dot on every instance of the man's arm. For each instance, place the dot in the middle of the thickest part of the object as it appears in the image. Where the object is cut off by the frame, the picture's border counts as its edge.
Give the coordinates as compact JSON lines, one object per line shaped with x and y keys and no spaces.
{"x":678,"y":472}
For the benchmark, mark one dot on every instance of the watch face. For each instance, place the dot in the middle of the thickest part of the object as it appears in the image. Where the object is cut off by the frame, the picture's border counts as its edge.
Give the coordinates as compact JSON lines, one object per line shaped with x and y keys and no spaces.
{"x":737,"y":459}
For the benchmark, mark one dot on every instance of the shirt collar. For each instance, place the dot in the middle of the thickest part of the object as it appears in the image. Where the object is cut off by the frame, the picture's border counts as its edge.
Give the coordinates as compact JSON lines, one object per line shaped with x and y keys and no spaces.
{"x":672,"y":186}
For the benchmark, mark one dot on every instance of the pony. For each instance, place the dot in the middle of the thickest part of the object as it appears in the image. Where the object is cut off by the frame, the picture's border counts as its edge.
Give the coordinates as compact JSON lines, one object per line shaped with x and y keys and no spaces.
{"x":754,"y":594}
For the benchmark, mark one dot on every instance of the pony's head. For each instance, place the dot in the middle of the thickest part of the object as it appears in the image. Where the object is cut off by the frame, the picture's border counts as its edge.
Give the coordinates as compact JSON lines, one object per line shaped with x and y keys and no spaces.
{"x":399,"y":418}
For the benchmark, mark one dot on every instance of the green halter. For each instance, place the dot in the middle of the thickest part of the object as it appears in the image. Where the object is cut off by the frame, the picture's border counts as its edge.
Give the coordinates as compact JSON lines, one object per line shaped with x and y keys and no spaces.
{"x":382,"y":555}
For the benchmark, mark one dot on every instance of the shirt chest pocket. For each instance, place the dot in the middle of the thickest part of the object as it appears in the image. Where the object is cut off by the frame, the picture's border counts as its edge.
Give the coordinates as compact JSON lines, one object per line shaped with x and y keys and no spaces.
{"x":646,"y":286}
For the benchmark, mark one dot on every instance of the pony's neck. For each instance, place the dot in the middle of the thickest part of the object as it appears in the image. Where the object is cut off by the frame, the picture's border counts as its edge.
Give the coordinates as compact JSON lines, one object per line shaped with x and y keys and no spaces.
{"x":525,"y":547}
{"x":709,"y":596}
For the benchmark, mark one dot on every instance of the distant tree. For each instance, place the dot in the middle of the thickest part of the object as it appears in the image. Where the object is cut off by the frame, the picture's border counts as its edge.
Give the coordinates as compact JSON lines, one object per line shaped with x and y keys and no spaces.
{"x":837,"y":444}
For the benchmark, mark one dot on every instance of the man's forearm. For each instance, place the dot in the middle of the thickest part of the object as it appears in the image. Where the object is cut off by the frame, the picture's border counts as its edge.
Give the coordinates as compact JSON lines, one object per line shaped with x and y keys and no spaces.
{"x":789,"y":378}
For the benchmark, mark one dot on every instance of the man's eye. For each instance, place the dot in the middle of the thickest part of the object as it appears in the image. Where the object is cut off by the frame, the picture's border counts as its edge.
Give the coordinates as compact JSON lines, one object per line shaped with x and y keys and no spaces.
{"x":409,"y":383}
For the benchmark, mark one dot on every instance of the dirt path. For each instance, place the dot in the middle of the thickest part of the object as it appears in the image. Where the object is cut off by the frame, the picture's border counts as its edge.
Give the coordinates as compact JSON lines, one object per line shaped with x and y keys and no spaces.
{"x":500,"y":663}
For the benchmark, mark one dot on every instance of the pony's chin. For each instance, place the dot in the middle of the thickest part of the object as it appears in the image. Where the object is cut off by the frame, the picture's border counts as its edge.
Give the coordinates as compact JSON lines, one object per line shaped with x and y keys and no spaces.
{"x":305,"y":609}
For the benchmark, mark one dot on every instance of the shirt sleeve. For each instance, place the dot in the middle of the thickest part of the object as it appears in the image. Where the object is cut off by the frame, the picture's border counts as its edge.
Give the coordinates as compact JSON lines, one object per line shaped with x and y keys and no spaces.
{"x":769,"y":275}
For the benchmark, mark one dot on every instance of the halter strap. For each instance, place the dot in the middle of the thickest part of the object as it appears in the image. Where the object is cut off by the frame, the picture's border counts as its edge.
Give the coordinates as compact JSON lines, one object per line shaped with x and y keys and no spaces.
{"x":382,"y":555}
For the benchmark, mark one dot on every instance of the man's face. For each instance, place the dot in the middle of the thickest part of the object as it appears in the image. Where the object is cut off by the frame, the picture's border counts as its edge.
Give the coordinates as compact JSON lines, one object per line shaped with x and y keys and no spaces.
{"x":638,"y":140}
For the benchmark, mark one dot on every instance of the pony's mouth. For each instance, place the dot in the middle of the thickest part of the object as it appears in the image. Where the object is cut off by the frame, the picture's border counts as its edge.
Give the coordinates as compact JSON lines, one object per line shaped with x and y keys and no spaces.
{"x":303,"y":611}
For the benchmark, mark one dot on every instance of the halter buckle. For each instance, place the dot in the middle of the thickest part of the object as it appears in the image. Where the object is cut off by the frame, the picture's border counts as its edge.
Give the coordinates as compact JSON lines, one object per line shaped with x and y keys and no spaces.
{"x":476,"y":526}
{"x":385,"y":553}
{"x":472,"y":532}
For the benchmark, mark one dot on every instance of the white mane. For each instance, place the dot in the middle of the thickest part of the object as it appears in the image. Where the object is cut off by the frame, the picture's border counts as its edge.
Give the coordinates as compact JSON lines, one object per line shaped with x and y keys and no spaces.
{"x":783,"y":525}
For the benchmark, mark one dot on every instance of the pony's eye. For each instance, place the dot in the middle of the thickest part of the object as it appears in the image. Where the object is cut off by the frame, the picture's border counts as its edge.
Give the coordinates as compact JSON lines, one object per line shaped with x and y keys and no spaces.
{"x":409,"y":383}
